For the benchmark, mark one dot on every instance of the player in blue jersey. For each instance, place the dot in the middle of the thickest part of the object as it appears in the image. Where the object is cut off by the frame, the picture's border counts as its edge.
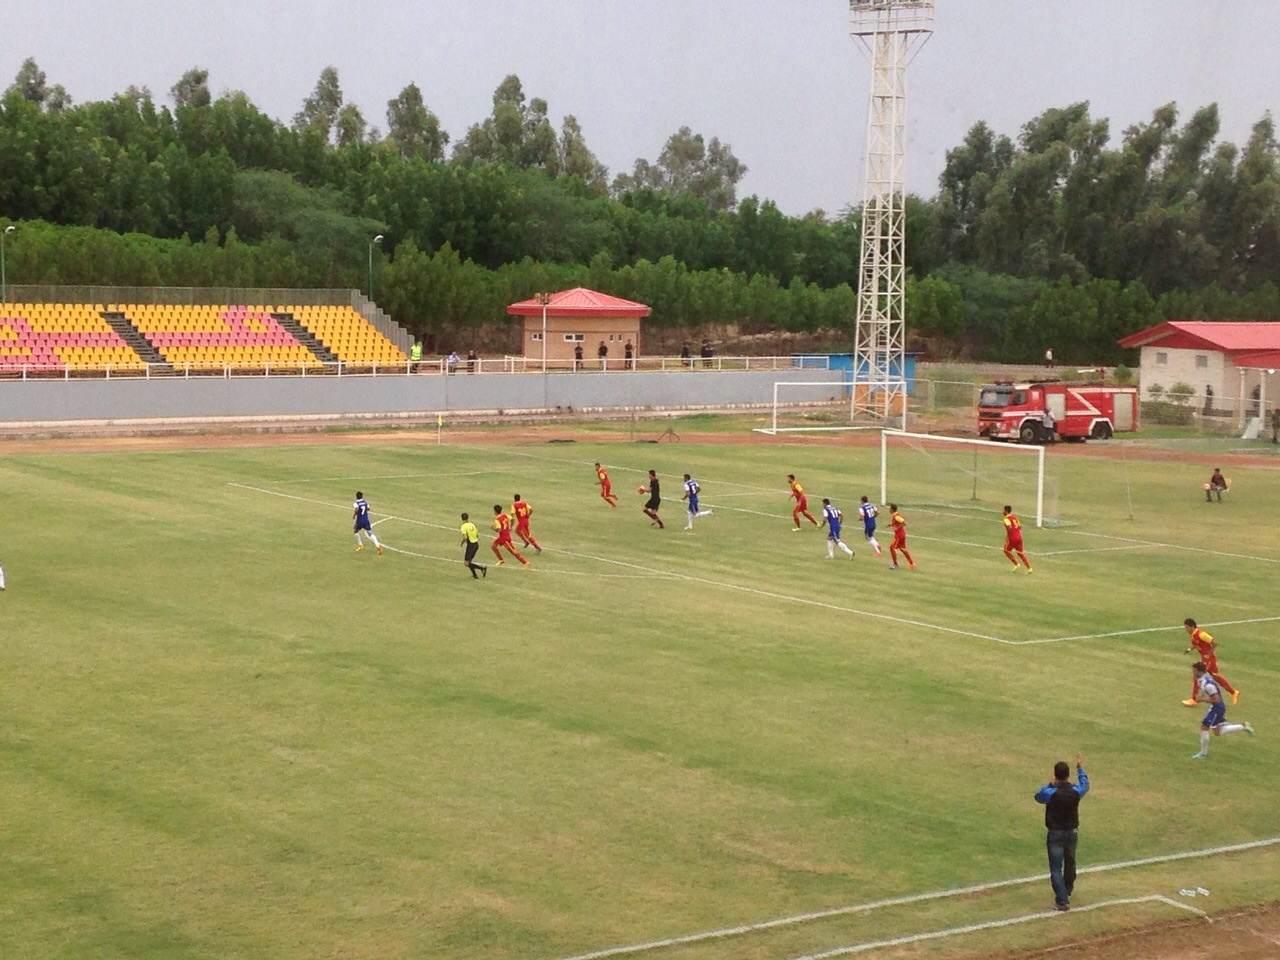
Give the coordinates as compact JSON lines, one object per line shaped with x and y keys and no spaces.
{"x":1216,"y":718}
{"x":835,"y":520}
{"x":691,"y":488}
{"x":867,"y":511}
{"x":361,"y":517}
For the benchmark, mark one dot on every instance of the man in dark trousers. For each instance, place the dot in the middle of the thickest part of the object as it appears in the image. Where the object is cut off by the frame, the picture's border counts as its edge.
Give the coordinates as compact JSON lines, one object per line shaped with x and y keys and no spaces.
{"x":1061,"y":800}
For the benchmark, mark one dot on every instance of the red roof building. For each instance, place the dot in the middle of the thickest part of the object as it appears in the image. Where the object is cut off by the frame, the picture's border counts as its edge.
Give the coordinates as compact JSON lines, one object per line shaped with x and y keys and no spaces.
{"x":603,"y":327}
{"x":1222,"y":361}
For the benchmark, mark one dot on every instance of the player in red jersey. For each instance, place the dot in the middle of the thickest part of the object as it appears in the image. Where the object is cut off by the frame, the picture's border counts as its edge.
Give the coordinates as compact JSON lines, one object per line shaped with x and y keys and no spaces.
{"x":899,"y":541}
{"x":1206,"y":649}
{"x":1013,"y":539}
{"x":802,"y":502}
{"x":606,"y":488}
{"x":502,"y":523}
{"x":520,"y":513}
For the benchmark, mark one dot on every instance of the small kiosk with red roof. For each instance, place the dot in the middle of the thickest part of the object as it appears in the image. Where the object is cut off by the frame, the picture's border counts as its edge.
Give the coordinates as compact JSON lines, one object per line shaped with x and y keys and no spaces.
{"x":560,"y":322}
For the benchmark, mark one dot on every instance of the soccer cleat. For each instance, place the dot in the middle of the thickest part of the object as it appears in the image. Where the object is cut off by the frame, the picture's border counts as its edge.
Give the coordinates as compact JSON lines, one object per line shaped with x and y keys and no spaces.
{"x":850,"y":554}
{"x":1248,"y":728}
{"x":795,"y":529}
{"x":524,"y":563}
{"x":877,"y":551}
{"x":1199,"y":756}
{"x":484,"y":571}
{"x":1015,"y":568}
{"x":359,"y":547}
{"x":1062,"y":907}
{"x":893,"y":566}
{"x":1028,"y":569}
{"x":379,"y":549}
{"x":501,"y":562}
{"x":1235,"y":697}
{"x":539,"y":549}
{"x":1189,"y":703}
{"x":911,"y":565}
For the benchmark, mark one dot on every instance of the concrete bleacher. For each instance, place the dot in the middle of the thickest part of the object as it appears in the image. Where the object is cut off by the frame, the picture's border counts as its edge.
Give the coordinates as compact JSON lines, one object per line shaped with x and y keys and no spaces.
{"x":54,"y":337}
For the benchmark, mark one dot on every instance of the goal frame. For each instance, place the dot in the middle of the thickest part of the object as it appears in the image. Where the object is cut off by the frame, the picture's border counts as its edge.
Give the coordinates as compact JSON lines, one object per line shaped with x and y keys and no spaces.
{"x":840,"y":386}
{"x":994,"y":446}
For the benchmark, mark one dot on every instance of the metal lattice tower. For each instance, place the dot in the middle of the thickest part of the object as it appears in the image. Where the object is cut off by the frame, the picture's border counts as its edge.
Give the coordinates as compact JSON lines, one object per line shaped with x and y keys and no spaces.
{"x":892,"y":32}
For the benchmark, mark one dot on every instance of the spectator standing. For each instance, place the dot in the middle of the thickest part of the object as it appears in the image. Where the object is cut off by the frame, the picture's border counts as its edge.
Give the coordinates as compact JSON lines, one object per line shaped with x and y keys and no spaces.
{"x":471,"y":360}
{"x":415,"y":354}
{"x":685,"y":355}
{"x":577,"y":357}
{"x":603,"y":353}
{"x":1061,"y":799}
{"x":451,"y":362}
{"x":1275,"y":425}
{"x":706,"y":352}
{"x":628,"y":356}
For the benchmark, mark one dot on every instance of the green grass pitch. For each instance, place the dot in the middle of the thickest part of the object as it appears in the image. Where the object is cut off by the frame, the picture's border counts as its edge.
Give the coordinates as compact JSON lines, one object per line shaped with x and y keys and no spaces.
{"x":227,"y":734}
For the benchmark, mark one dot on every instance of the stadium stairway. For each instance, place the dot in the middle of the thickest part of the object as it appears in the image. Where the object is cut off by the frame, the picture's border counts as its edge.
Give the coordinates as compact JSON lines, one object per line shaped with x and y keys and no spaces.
{"x":305,"y":337}
{"x":134,"y":338}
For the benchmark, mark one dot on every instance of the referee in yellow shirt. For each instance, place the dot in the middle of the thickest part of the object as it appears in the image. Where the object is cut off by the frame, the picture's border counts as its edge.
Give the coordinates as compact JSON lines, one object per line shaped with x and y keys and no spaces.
{"x":471,"y":543}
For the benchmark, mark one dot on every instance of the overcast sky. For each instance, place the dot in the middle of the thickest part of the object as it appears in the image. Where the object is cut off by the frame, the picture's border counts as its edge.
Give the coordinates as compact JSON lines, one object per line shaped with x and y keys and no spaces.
{"x":779,"y":80}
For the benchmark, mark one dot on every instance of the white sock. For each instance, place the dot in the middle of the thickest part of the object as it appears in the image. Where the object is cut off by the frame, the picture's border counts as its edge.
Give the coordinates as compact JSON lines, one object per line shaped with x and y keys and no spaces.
{"x":374,"y":538}
{"x":1229,"y":727}
{"x":831,"y":550}
{"x":1204,"y":741}
{"x":872,"y":541}
{"x":841,"y":545}
{"x":359,"y":542}
{"x":704,"y":513}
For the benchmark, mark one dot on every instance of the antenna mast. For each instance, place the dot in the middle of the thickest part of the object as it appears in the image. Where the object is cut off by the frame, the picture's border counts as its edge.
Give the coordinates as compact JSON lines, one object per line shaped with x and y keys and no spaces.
{"x":891,"y":32}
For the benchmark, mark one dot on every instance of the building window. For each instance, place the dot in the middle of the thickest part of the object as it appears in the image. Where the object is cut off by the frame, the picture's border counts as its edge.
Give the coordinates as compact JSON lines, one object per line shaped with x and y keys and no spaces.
{"x":1161,"y":358}
{"x":1202,"y":362}
{"x":535,"y":337}
{"x":574,"y":337}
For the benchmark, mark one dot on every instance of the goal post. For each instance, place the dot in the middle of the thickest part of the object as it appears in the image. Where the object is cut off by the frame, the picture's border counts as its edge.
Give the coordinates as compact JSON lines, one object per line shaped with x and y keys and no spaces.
{"x":806,"y":406}
{"x":943,"y":467}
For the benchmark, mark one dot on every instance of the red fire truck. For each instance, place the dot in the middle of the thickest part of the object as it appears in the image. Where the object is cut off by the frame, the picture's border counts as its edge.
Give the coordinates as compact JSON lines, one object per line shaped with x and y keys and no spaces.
{"x":1041,"y":411}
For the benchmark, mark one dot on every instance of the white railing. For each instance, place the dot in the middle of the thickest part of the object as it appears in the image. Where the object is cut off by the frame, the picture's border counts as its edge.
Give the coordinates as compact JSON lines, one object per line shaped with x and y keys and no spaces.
{"x":435,"y":366}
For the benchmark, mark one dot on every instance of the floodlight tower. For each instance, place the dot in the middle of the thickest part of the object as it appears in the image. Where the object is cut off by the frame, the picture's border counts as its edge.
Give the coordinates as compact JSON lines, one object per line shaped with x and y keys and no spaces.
{"x":891,"y":32}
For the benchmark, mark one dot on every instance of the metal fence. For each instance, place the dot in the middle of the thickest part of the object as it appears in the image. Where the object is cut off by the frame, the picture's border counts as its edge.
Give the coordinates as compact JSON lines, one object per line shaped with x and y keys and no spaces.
{"x":435,"y":366}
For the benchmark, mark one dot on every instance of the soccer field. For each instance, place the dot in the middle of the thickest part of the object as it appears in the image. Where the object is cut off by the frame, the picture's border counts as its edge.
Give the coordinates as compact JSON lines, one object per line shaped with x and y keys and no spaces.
{"x":227,"y":734}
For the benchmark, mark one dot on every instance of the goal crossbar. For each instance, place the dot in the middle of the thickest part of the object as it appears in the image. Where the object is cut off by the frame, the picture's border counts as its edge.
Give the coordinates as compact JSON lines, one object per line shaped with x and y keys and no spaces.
{"x":1009,"y":448}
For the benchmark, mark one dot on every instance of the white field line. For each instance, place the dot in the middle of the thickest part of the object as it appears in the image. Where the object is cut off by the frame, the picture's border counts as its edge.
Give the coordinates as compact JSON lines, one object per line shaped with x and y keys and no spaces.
{"x":992,"y":925}
{"x":655,"y":573}
{"x":364,"y":478}
{"x":1172,"y":546}
{"x":802,"y":918}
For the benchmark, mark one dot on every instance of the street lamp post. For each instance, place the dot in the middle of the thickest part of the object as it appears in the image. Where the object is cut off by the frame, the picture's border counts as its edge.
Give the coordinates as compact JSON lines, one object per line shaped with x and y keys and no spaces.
{"x":4,"y":278}
{"x":544,"y":299}
{"x":376,"y":240}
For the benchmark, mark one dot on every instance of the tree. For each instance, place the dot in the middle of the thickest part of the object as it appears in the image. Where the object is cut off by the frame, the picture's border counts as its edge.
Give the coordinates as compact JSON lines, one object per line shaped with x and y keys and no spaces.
{"x":192,"y":90}
{"x":413,"y":128}
{"x":320,"y":110}
{"x":576,"y":160}
{"x":689,"y":165}
{"x":515,"y":133}
{"x":351,"y":127}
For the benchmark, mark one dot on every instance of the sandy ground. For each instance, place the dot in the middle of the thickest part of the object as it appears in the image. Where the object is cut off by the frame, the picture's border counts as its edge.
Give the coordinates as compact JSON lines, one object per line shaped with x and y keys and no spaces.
{"x":1252,"y":934}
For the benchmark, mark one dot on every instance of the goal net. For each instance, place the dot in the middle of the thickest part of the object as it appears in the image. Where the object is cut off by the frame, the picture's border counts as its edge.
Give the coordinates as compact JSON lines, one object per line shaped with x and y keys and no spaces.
{"x":805,"y":406}
{"x":966,"y":475}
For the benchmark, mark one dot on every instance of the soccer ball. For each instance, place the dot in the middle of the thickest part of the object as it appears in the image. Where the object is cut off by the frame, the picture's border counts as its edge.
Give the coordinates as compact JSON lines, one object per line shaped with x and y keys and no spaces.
{"x":642,"y":489}
{"x":1206,"y":486}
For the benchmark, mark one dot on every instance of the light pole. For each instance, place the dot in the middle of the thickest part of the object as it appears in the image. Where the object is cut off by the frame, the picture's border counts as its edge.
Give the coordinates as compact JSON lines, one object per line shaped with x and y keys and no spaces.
{"x":376,"y":240}
{"x":4,"y":279}
{"x":544,"y":299}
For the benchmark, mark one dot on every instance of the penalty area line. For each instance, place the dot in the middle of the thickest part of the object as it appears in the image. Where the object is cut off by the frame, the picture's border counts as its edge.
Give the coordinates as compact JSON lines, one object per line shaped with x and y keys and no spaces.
{"x":802,"y":918}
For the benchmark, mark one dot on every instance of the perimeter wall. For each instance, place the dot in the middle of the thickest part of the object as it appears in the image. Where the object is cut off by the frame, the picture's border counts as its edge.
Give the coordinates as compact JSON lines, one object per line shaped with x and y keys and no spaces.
{"x":124,"y":399}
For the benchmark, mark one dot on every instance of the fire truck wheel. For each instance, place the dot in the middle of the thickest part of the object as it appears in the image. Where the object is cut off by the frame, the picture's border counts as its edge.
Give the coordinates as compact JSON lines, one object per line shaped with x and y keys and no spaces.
{"x":1101,"y":431}
{"x":1030,"y":433}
